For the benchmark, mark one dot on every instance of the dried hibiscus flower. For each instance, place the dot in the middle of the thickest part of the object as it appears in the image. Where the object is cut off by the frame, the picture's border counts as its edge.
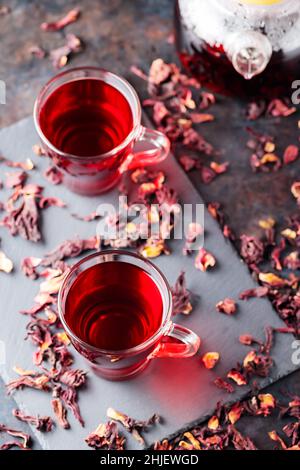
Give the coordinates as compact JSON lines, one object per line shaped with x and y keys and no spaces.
{"x":135,"y":427}
{"x":210,"y":359}
{"x":69,"y":18}
{"x":227,"y":306}
{"x":181,"y":297}
{"x":44,"y":423}
{"x":204,"y":260}
{"x":106,"y":437}
{"x":60,"y":56}
{"x":53,"y":175}
{"x":291,"y":154}
{"x":25,"y":438}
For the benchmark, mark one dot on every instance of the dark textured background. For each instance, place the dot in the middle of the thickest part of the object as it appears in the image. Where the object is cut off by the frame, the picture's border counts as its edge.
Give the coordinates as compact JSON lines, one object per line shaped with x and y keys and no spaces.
{"x":117,"y":34}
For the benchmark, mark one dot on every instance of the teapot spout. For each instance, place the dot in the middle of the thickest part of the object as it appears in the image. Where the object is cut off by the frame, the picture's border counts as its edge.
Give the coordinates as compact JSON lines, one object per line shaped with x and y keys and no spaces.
{"x":249,"y":51}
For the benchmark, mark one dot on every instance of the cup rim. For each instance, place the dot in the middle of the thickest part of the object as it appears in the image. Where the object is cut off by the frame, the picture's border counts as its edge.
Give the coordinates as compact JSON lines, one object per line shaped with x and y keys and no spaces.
{"x":99,"y":74}
{"x":164,"y":327}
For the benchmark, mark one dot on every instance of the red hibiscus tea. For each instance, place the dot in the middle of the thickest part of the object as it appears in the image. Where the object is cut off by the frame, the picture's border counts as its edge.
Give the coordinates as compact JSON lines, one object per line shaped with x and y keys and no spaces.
{"x":114,"y":306}
{"x":89,"y":123}
{"x":86,"y":117}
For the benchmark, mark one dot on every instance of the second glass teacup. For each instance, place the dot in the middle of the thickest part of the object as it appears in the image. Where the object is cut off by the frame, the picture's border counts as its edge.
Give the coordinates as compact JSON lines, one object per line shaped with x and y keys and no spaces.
{"x":116,"y":308}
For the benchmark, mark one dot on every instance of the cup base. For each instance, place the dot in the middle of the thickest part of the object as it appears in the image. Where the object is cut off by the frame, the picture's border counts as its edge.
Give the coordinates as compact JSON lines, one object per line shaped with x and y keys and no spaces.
{"x":120,"y":374}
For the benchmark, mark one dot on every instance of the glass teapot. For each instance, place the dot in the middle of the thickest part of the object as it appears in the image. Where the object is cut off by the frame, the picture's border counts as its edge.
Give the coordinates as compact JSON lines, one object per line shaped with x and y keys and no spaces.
{"x":249,"y":47}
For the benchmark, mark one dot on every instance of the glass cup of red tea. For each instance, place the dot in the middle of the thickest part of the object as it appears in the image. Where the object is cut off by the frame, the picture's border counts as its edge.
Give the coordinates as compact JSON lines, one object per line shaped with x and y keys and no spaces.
{"x":116,"y":308}
{"x":89,"y":124}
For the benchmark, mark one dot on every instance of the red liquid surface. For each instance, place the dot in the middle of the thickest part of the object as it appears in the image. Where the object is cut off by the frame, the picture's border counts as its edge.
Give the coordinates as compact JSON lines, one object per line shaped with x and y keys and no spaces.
{"x":114,"y":305}
{"x":86,"y":117}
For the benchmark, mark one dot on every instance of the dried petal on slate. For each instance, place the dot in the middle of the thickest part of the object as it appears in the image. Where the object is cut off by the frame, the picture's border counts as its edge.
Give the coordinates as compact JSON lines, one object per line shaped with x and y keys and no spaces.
{"x":16,"y":178}
{"x":252,"y":250}
{"x":29,"y":265}
{"x":194,"y":443}
{"x":24,"y":219}
{"x":271,"y":279}
{"x":73,"y":378}
{"x":291,"y":154}
{"x":210,"y":359}
{"x":6,"y":264}
{"x":44,"y":423}
{"x":60,"y":56}
{"x":60,"y":412}
{"x":266,"y":403}
{"x":69,"y":18}
{"x":237,"y":377}
{"x":25,"y":438}
{"x":227,"y":306}
{"x":258,"y":292}
{"x":106,"y":437}
{"x":277,"y":107}
{"x":204,"y":260}
{"x":199,"y":118}
{"x":219,"y":168}
{"x":51,"y":201}
{"x":235,"y":412}
{"x":135,"y":427}
{"x":214,"y":423}
{"x":223,"y":385}
{"x":27,"y":165}
{"x":69,"y":397}
{"x":39,"y":382}
{"x":257,"y":364}
{"x":181,"y":297}
{"x":87,"y":218}
{"x":153,"y":248}
{"x":53,"y":175}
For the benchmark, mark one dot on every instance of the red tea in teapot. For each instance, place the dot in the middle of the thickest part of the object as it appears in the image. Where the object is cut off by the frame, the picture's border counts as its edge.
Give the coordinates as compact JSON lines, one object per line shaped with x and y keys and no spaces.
{"x":240,"y":47}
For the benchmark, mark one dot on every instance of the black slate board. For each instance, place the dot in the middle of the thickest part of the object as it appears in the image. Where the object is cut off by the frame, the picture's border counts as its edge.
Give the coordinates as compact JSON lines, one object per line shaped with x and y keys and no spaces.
{"x":182,"y":391}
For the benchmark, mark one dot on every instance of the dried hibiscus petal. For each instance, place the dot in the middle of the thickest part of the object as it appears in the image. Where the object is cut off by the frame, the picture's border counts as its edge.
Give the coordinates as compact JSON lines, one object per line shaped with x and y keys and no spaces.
{"x":15,"y":433}
{"x":53,"y":175}
{"x":69,"y":18}
{"x":132,"y":425}
{"x":181,"y":297}
{"x":210,"y":359}
{"x":39,"y":382}
{"x":227,"y":306}
{"x":237,"y":377}
{"x":44,"y":423}
{"x":258,"y":292}
{"x":204,"y":260}
{"x":291,"y":154}
{"x":60,"y":56}
{"x":223,"y":385}
{"x":107,"y":437}
{"x":16,"y":178}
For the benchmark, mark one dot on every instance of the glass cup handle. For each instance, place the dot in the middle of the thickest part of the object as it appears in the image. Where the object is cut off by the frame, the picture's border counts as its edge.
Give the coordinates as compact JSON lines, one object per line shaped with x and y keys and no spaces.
{"x":150,"y":147}
{"x":188,"y":346}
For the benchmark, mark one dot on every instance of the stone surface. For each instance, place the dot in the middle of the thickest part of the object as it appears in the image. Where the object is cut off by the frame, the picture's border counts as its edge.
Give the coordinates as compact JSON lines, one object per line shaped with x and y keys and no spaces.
{"x":182,"y":390}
